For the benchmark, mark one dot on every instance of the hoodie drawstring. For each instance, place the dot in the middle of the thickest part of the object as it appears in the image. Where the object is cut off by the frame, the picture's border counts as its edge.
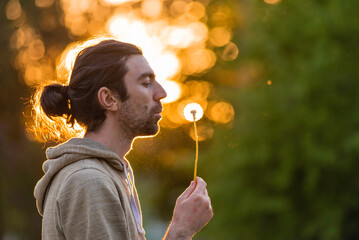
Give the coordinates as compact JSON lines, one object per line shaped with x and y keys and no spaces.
{"x":134,"y":204}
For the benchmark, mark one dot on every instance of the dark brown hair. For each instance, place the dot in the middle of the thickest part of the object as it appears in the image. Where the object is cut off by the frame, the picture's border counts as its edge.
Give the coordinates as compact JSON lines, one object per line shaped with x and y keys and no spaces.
{"x":100,"y":65}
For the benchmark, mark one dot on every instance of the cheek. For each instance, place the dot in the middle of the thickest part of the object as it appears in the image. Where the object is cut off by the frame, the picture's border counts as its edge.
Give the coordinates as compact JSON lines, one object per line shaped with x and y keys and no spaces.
{"x":141,"y":98}
{"x":141,"y":108}
{"x":144,"y":102}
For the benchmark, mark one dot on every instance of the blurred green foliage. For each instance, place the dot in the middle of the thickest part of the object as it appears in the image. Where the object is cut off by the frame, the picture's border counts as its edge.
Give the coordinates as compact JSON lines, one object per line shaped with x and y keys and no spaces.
{"x":289,"y":167}
{"x":286,"y":168}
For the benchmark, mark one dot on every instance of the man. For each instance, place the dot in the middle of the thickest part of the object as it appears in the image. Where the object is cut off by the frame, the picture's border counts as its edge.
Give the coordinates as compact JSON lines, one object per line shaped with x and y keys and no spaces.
{"x":88,"y":191}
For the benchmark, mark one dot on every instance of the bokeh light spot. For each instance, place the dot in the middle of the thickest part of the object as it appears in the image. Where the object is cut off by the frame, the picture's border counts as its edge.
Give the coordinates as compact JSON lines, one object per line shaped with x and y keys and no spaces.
{"x":199,"y":89}
{"x":36,"y":49}
{"x":199,"y":30}
{"x":173,"y":90}
{"x":33,"y":74}
{"x":178,"y":7}
{"x":220,"y":112}
{"x":17,"y":39}
{"x":272,"y":1}
{"x":43,"y":3}
{"x":118,"y":2}
{"x":204,"y":132}
{"x":165,"y":65}
{"x":230,"y":52}
{"x":178,"y":37}
{"x":171,"y":117}
{"x":199,"y":60}
{"x":151,"y":8}
{"x":195,"y":10}
{"x":79,"y":26}
{"x":220,"y":36}
{"x":13,"y":10}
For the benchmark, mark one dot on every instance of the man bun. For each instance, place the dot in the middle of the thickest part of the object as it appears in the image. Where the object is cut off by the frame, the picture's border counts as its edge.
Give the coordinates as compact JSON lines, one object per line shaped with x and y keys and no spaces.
{"x":55,"y":101}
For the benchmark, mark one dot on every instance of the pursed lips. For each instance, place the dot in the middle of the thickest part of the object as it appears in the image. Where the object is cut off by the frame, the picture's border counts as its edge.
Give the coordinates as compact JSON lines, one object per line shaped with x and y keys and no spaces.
{"x":158,"y":109}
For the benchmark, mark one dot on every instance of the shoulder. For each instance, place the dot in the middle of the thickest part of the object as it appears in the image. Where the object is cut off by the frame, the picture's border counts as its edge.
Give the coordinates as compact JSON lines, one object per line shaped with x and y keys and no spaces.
{"x":86,"y":178}
{"x":89,"y":163}
{"x":83,"y":170}
{"x":88,"y":175}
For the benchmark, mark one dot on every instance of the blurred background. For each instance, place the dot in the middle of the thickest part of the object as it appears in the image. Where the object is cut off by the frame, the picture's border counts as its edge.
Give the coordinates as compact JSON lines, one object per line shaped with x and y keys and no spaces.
{"x":278,"y":83}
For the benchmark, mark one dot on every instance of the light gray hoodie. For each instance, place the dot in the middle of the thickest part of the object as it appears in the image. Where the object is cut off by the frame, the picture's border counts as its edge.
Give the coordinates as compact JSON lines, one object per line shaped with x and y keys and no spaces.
{"x":87,"y":192}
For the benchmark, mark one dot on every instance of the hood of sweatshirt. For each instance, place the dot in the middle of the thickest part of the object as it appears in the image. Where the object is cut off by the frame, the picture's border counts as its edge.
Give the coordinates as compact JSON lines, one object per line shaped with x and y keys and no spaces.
{"x":74,"y":150}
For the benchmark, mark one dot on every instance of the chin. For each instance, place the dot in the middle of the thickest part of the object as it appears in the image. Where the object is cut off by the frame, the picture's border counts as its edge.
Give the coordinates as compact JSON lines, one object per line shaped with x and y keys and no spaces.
{"x":155,"y":130}
{"x":149,"y":132}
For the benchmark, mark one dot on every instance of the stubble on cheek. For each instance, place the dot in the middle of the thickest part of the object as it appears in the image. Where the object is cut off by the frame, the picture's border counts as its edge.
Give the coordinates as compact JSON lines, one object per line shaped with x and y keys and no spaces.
{"x":137,"y":120}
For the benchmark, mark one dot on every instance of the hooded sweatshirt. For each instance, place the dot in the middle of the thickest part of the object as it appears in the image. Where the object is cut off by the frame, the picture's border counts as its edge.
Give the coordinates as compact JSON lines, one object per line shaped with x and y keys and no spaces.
{"x":87,"y":192}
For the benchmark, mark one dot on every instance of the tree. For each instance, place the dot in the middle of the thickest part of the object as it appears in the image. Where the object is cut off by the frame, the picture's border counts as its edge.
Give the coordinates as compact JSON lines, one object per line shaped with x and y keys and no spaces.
{"x":288,"y":168}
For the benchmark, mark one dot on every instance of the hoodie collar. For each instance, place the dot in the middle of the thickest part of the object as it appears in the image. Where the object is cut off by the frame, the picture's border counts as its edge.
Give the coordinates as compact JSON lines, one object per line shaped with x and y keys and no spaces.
{"x":64,"y":154}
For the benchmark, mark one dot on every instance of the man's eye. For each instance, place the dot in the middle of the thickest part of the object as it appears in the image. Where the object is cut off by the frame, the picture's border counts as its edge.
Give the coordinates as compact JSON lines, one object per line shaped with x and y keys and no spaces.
{"x":146,"y":84}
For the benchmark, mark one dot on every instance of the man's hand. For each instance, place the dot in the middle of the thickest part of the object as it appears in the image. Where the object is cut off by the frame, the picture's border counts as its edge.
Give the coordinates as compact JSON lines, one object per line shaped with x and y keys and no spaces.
{"x":192,"y":212}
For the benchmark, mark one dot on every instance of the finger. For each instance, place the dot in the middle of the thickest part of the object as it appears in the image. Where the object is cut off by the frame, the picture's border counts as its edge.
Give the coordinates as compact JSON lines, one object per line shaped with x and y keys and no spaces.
{"x":188,"y":191}
{"x":206,"y":193}
{"x":207,"y":196}
{"x":201,"y":186}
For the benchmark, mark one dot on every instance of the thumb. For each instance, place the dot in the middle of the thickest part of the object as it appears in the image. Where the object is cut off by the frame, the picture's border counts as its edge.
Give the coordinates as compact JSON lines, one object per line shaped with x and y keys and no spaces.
{"x":188,"y":191}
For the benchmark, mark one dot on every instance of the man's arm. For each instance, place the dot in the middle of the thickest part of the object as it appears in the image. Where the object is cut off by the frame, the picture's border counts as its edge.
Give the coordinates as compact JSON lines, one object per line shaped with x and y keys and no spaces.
{"x":192,"y":212}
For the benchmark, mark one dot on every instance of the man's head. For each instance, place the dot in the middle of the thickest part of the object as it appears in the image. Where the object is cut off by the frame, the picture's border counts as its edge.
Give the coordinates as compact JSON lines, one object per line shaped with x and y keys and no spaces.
{"x":110,"y":66}
{"x":139,"y":114}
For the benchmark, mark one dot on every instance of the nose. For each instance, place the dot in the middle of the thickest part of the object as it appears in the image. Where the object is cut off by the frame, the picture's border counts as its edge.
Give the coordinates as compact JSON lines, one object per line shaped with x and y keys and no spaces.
{"x":160,"y":92}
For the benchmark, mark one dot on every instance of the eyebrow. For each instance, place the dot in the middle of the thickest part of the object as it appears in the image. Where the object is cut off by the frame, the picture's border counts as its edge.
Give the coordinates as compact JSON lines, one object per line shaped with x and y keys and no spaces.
{"x":147,"y":74}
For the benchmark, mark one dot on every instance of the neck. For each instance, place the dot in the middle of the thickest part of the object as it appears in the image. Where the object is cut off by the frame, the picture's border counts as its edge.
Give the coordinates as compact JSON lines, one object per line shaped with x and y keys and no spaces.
{"x":112,"y":138}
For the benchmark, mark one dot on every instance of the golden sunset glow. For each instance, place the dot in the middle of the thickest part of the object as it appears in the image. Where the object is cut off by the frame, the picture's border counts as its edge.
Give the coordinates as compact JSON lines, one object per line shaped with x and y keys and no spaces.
{"x":249,"y":103}
{"x":55,"y":129}
{"x":173,"y":90}
{"x":66,"y":60}
{"x":173,"y":36}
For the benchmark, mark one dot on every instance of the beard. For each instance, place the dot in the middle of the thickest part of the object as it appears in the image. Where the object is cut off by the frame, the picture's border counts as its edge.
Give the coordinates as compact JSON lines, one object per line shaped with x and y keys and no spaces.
{"x":137,"y":120}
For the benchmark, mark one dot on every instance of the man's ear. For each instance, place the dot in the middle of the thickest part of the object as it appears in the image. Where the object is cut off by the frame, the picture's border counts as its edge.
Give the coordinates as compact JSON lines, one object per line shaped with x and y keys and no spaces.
{"x":107,"y":99}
